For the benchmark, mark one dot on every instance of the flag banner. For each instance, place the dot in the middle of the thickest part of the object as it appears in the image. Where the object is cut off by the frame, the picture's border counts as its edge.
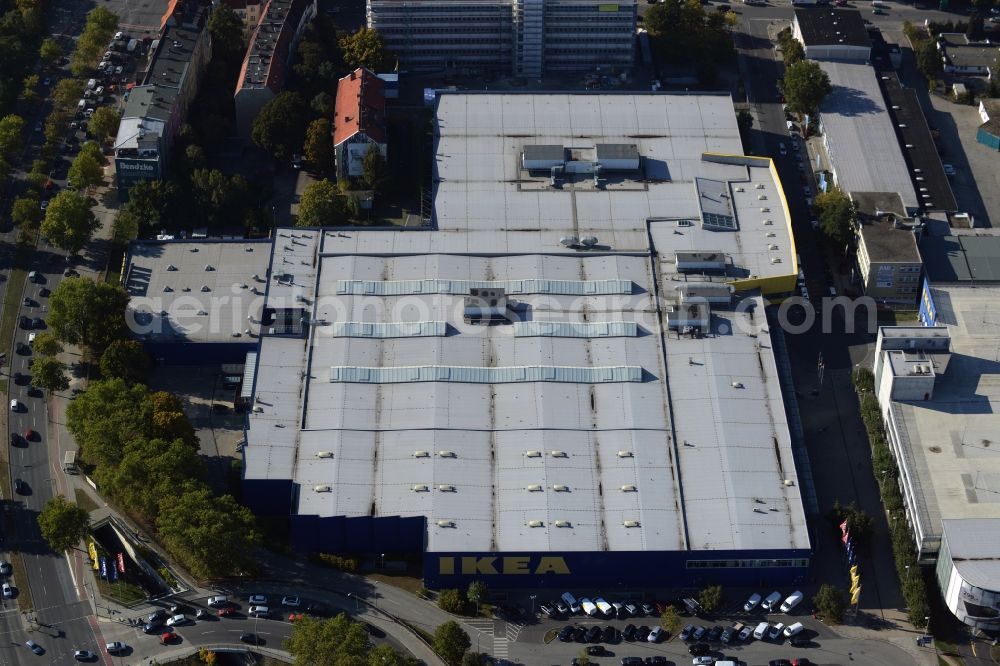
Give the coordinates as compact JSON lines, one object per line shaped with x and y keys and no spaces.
{"x":104,"y":567}
{"x":851,"y":559}
{"x":843,"y":527}
{"x":845,"y":537}
{"x":856,"y":596}
{"x":113,"y":570}
{"x":92,"y":549}
{"x":854,"y":586}
{"x":854,"y":571}
{"x":121,"y":562}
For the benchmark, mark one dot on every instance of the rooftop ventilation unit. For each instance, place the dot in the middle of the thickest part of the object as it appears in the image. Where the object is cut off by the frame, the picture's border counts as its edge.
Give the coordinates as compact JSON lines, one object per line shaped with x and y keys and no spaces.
{"x":561,"y":523}
{"x":322,"y":489}
{"x":630,"y":523}
{"x":534,"y":488}
{"x":535,"y":523}
{"x":446,"y":488}
{"x":624,"y":454}
{"x":485,"y":306}
{"x":772,"y":246}
{"x":533,"y":454}
{"x":559,"y":454}
{"x":739,"y":189}
{"x":324,"y":454}
{"x":588,"y":241}
{"x":760,"y":186}
{"x":569,"y":241}
{"x":768,"y":223}
{"x":628,"y":488}
{"x":420,"y":488}
{"x":446,"y":454}
{"x":761,"y":197}
{"x":421,"y":454}
{"x":776,"y":260}
{"x":446,"y":523}
{"x":560,"y":488}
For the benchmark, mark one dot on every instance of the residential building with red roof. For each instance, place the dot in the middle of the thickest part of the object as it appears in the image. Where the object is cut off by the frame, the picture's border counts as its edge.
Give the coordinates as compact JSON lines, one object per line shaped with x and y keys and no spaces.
{"x":358,"y":121}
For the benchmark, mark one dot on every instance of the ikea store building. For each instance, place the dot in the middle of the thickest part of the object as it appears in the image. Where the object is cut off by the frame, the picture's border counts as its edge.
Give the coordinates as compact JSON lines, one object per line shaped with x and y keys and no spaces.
{"x":567,"y":377}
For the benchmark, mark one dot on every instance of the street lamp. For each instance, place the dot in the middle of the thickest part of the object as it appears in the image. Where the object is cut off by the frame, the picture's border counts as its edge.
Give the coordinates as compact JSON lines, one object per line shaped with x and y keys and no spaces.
{"x":383,"y":560}
{"x":532,"y":597}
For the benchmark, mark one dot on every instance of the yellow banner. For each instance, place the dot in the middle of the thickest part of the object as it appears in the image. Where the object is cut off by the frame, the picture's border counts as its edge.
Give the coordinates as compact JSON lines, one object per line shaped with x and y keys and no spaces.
{"x":854,"y":571}
{"x":856,"y":596}
{"x":93,"y":555}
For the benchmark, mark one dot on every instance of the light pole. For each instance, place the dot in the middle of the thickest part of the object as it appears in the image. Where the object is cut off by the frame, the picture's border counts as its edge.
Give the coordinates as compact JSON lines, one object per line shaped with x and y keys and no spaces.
{"x":532,"y":597}
{"x":383,"y":560}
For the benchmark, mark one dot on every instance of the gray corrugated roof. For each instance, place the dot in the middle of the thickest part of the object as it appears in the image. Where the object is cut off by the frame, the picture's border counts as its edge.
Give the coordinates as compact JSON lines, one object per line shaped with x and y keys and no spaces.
{"x":544,"y":152}
{"x":974,"y":544}
{"x":476,"y":375}
{"x":395,"y":329}
{"x":529,"y":286}
{"x":610,"y":151}
{"x":567,"y":329}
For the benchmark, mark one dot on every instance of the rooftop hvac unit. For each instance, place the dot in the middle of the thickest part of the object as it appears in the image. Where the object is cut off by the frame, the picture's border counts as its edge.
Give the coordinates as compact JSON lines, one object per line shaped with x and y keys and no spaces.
{"x":446,"y":454}
{"x":419,"y":488}
{"x":535,"y":523}
{"x":765,"y":209}
{"x":760,"y":186}
{"x":589,"y":241}
{"x":324,"y":454}
{"x":421,"y":454}
{"x":624,"y":454}
{"x":772,"y":246}
{"x":628,"y":488}
{"x":630,"y":523}
{"x":446,"y":488}
{"x":561,"y":523}
{"x":770,"y":234}
{"x":569,"y":241}
{"x":761,"y":197}
{"x":559,"y":454}
{"x":776,"y":260}
{"x":739,"y":189}
{"x":768,"y":223}
{"x":446,"y":523}
{"x":533,"y":454}
{"x":560,"y":488}
{"x":322,"y":489}
{"x":534,"y":488}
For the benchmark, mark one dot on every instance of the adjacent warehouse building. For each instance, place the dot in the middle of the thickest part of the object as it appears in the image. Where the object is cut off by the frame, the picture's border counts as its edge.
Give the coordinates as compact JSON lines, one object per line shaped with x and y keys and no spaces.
{"x":832,"y":34}
{"x":520,"y":37}
{"x":159,"y":106}
{"x":937,"y":390}
{"x":568,"y":379}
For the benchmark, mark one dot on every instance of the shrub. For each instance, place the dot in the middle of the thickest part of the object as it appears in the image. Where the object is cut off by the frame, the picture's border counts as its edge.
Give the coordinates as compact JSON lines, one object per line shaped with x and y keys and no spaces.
{"x":452,"y":601}
{"x":341,"y":562}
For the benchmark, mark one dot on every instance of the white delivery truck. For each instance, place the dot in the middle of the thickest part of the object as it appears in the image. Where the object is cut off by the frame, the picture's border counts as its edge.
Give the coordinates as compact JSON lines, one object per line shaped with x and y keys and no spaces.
{"x":69,"y":462}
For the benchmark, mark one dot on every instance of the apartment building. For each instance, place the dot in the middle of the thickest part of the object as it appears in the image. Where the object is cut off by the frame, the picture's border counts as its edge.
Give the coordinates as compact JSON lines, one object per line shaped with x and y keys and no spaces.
{"x":519,"y":37}
{"x":888,"y":259}
{"x":249,"y":13}
{"x":269,"y":57}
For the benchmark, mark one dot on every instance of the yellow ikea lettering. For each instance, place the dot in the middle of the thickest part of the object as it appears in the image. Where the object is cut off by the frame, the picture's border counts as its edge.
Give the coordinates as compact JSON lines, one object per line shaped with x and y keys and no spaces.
{"x":478,"y":565}
{"x":516,"y":565}
{"x":446,"y":566}
{"x":555,"y":565}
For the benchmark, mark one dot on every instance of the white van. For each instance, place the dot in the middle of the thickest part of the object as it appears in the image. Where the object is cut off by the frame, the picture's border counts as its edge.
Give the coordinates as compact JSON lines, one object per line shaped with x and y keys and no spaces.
{"x":761,"y":630}
{"x":604,"y":607}
{"x":218,"y":602}
{"x":793,"y":629}
{"x":570,"y":600}
{"x":771,"y":601}
{"x":588,"y":606}
{"x":259,"y":611}
{"x":791,"y":602}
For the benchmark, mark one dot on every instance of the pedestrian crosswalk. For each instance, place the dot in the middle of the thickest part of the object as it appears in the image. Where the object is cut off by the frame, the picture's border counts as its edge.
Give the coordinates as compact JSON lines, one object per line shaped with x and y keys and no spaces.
{"x":494,"y":636}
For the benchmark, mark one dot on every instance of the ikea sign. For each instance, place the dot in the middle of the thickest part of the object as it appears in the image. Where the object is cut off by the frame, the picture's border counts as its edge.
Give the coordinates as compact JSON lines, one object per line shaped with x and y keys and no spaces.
{"x":510,"y":565}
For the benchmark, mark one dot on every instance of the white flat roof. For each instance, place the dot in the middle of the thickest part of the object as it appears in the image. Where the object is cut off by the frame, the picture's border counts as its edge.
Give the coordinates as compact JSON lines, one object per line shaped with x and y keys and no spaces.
{"x":860,"y":136}
{"x":953,"y":438}
{"x":196,"y":291}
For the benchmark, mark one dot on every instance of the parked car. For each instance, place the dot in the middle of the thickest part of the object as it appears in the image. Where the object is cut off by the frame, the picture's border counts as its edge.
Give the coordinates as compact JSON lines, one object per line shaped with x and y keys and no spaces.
{"x":5,"y":568}
{"x":746,"y":632}
{"x":565,"y":634}
{"x":771,"y":601}
{"x":793,"y":630}
{"x":257,"y":599}
{"x":729,"y":633}
{"x":35,"y":647}
{"x":698,"y":649}
{"x":703,"y":661}
{"x":8,"y":591}
{"x":774,"y":633}
{"x":226,"y":611}
{"x":649,"y":609}
{"x":714,"y":634}
{"x":642,"y":633}
{"x":291,"y":602}
{"x":609,"y":635}
{"x":656,"y":635}
{"x":628,"y":633}
{"x":686,"y":632}
{"x":177,"y":620}
{"x":793,"y":600}
{"x":595,"y":650}
{"x":217,"y":602}
{"x":752,"y":602}
{"x":84,"y":655}
{"x":799,"y":640}
{"x":699,"y":633}
{"x":593,"y":634}
{"x":116,"y":647}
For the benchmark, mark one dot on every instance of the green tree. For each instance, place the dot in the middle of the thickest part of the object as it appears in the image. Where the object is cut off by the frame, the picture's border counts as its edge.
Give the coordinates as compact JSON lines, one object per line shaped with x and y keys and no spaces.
{"x":475,"y":659}
{"x":125,"y":228}
{"x":29,"y":88}
{"x":364,"y":48}
{"x":169,"y":421}
{"x":710,"y":598}
{"x":837,"y":217}
{"x":451,"y":642}
{"x":11,"y":136}
{"x":928,"y":59}
{"x":221,"y":199}
{"x":63,"y":524}
{"x":210,"y":536}
{"x":49,"y":373}
{"x":125,"y":359}
{"x":805,"y":86}
{"x":149,"y":471}
{"x":85,"y":171}
{"x":152,"y":205}
{"x":321,"y":205}
{"x":319,"y":145}
{"x":451,"y":601}
{"x":88,"y":313}
{"x":50,"y":52}
{"x":830,"y":603}
{"x":104,"y":122}
{"x":226,"y":29}
{"x":69,"y":221}
{"x":322,"y":105}
{"x":332,"y":642}
{"x":859,"y":523}
{"x":279,"y":128}
{"x":793,"y":53}
{"x":106,"y":417}
{"x":744,"y":120}
{"x":477,"y":592}
{"x":25,"y":211}
{"x":373,"y":165}
{"x":383,"y":655}
{"x":46,"y":344}
{"x":670,"y":620}
{"x":660,"y":18}
{"x":66,"y":92}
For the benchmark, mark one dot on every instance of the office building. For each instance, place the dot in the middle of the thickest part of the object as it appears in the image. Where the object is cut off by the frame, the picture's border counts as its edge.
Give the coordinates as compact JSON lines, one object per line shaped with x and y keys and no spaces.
{"x":358,"y":121}
{"x":521,"y":37}
{"x":832,"y":34}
